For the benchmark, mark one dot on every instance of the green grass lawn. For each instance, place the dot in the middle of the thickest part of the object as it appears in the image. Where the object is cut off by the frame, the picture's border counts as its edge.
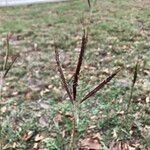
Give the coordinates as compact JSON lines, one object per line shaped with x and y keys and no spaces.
{"x":33,"y":100}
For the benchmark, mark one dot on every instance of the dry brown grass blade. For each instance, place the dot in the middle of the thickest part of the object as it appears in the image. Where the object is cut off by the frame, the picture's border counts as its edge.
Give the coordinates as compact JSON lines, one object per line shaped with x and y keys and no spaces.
{"x":62,"y":75}
{"x":100,"y":86}
{"x":89,"y":3}
{"x":10,"y":66}
{"x":79,"y":64}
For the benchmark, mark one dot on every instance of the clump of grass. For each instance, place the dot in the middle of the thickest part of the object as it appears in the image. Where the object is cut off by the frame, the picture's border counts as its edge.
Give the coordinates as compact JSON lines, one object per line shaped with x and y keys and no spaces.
{"x":73,"y":96}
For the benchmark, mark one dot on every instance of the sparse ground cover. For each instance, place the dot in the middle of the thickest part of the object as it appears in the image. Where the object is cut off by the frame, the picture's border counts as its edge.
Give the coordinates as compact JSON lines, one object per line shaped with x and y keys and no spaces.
{"x":35,"y":113}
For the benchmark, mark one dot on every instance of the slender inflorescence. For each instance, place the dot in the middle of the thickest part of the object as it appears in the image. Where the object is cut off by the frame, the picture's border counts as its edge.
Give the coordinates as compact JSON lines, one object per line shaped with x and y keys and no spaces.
{"x":6,"y":67}
{"x":135,"y":74}
{"x":79,"y":64}
{"x":62,"y":75}
{"x":100,"y":86}
{"x":75,"y":84}
{"x":133,"y":84}
{"x":10,"y":66}
{"x":77,"y":72}
{"x":7,"y":53}
{"x":89,"y":3}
